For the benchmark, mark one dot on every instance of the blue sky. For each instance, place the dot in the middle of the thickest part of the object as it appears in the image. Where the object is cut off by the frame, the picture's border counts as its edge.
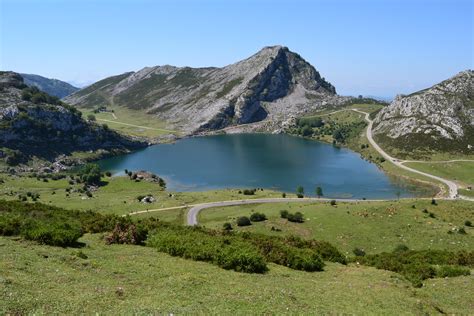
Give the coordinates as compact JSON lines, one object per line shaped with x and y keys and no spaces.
{"x":369,"y":47}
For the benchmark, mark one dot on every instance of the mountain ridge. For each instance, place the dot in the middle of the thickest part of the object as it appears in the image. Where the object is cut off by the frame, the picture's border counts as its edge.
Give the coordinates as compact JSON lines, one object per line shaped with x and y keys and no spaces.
{"x":54,"y":87}
{"x":438,"y":118}
{"x":34,"y":124}
{"x":271,"y":85}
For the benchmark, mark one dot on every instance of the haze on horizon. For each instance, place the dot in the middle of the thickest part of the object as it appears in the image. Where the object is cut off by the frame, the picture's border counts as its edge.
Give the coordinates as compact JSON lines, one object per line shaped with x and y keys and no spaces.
{"x":369,"y":47}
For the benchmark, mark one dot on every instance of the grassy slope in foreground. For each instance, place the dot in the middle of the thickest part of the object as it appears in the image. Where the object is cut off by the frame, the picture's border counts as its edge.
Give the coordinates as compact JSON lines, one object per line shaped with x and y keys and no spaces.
{"x":372,"y":226}
{"x":121,"y":279}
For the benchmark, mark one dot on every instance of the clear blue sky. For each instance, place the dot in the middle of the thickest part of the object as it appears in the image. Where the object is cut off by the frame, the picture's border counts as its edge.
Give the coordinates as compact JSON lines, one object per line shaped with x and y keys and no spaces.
{"x":370,"y":47}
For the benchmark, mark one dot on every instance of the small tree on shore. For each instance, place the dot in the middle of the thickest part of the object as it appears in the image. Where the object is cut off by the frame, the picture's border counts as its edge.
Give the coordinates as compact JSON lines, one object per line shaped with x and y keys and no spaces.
{"x":319,"y":192}
{"x":300,"y":191}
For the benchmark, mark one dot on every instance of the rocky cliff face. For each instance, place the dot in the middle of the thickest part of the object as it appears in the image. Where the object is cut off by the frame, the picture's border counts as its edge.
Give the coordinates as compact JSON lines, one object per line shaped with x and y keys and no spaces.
{"x":272,"y":85}
{"x":47,"y":130}
{"x":441,"y":117}
{"x":53,"y":87}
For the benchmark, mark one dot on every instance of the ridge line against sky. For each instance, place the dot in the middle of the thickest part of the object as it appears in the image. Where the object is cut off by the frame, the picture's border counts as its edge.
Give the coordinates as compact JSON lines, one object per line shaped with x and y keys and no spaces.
{"x":367,"y":47}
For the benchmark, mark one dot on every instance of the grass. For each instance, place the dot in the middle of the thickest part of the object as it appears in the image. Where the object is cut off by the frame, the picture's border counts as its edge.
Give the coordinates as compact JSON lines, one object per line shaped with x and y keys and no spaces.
{"x":117,"y":196}
{"x":120,"y":279}
{"x":461,"y":172}
{"x":372,"y":226}
{"x":155,"y":126}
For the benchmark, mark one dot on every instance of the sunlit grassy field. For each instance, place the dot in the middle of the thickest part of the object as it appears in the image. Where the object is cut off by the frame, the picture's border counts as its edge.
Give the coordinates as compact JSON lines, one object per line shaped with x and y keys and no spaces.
{"x":372,"y":226}
{"x":144,"y":125}
{"x":118,"y":279}
{"x":460,"y":171}
{"x":118,"y":195}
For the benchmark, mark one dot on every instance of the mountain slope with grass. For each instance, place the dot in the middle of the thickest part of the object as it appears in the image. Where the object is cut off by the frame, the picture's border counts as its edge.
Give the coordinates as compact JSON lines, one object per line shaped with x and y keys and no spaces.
{"x":272,"y":85}
{"x":53,"y":87}
{"x":35,"y":124}
{"x":440,"y":118}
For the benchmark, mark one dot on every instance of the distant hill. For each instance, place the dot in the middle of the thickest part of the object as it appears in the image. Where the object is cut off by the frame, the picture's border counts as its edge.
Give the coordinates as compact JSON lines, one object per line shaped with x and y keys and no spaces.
{"x":53,"y":87}
{"x":271,"y":86}
{"x":437,"y":118}
{"x":33,"y":123}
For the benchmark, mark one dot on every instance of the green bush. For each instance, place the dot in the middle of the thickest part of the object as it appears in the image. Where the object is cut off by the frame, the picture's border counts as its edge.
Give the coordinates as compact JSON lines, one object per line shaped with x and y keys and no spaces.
{"x":358,"y":252}
{"x":53,"y":234}
{"x":296,"y":217}
{"x":243,"y":221}
{"x":284,"y":213}
{"x":417,"y":266}
{"x":199,"y":245}
{"x":452,"y":271}
{"x":227,"y":226}
{"x":258,"y":217}
{"x":249,"y":191}
{"x":468,"y":223}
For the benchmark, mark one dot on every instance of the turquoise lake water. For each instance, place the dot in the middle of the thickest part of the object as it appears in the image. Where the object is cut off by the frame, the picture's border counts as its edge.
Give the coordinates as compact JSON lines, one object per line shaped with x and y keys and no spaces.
{"x":279,"y":162}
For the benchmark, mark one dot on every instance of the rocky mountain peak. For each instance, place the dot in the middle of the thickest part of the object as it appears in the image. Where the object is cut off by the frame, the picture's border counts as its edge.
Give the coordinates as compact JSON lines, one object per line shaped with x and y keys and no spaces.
{"x":271,"y":85}
{"x":440,"y":116}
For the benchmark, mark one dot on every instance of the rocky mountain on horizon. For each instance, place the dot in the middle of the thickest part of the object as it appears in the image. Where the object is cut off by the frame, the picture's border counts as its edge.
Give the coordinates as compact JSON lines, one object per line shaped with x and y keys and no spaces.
{"x":35,"y":124}
{"x":273,"y":85}
{"x":437,"y":118}
{"x":53,"y":87}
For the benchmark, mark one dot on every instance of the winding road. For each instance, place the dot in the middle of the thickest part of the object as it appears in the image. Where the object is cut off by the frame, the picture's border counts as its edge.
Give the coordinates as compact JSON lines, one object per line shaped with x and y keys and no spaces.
{"x":453,"y":188}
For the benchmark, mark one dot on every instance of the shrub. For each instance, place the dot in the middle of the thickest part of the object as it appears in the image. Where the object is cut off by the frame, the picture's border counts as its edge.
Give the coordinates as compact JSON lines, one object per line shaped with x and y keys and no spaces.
{"x":284,"y":214}
{"x":108,"y":173}
{"x":401,"y":248}
{"x":417,"y":266}
{"x":468,"y":223}
{"x":333,"y":202}
{"x":296,"y":217}
{"x":358,"y":252}
{"x":283,"y":195}
{"x":433,"y":202}
{"x":451,"y":271}
{"x":243,"y":221}
{"x":53,"y":234}
{"x":258,"y":217}
{"x":249,"y":191}
{"x":200,"y":245}
{"x":227,"y":226}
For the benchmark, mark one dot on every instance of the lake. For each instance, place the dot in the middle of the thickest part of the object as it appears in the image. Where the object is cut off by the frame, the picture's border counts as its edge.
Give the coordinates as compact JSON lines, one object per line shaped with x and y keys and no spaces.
{"x":279,"y":162}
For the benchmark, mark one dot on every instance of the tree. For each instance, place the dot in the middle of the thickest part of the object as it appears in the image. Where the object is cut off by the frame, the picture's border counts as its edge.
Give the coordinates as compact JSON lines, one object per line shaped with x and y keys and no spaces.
{"x":300,"y":191}
{"x":306,"y":130}
{"x":90,"y":174}
{"x":319,"y":192}
{"x":91,"y":117}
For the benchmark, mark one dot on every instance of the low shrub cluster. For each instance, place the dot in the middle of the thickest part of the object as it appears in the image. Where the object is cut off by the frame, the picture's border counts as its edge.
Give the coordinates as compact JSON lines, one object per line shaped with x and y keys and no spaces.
{"x":243,"y":251}
{"x":249,"y":191}
{"x":258,"y":217}
{"x":127,"y":231}
{"x":417,"y":266}
{"x":50,"y":225}
{"x":297,"y":217}
{"x":42,"y":223}
{"x":199,"y":245}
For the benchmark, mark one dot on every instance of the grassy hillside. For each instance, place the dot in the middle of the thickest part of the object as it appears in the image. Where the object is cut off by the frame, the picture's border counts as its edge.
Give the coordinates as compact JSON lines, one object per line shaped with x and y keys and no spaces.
{"x":119,"y":279}
{"x":460,"y":171}
{"x":371,"y":226}
{"x":118,"y":195}
{"x":131,"y":122}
